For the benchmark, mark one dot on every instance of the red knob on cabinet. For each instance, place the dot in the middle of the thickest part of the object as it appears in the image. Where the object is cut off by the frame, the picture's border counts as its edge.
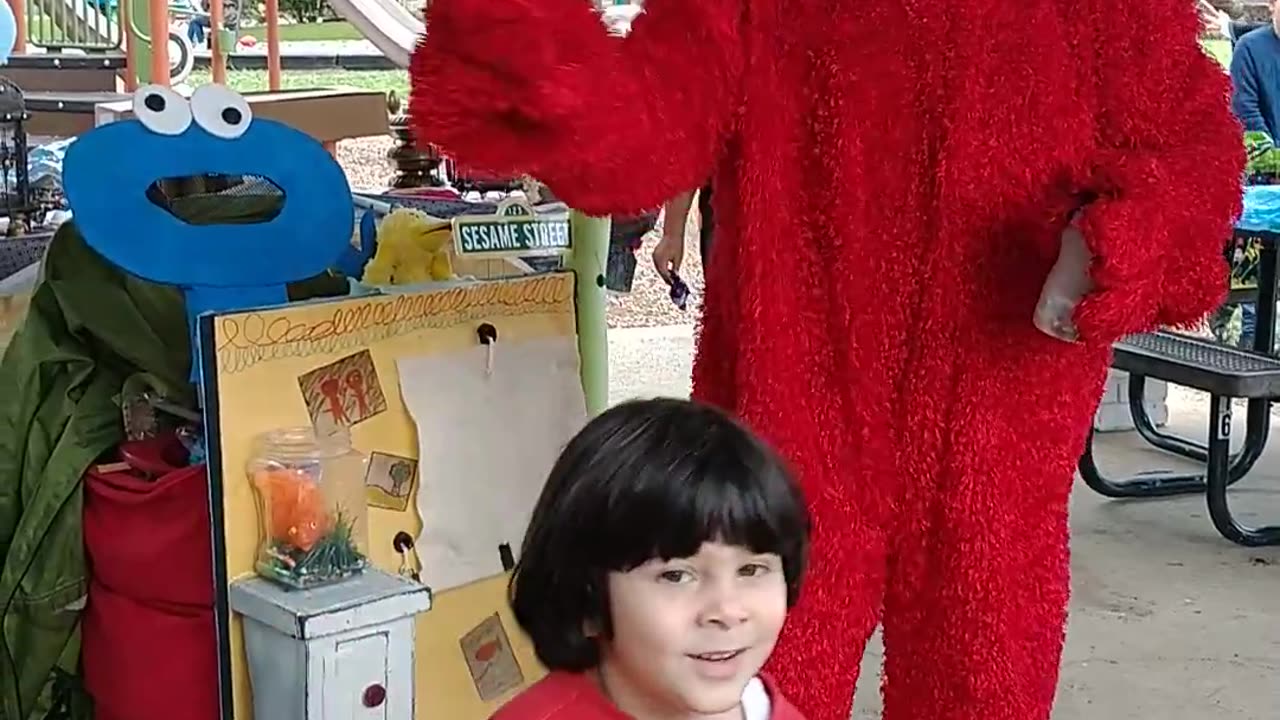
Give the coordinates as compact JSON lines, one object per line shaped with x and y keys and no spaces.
{"x":374,"y":695}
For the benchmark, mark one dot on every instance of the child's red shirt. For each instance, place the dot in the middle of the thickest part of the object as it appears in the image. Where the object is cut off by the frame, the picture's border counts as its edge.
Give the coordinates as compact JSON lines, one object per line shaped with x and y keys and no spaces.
{"x":576,"y":696}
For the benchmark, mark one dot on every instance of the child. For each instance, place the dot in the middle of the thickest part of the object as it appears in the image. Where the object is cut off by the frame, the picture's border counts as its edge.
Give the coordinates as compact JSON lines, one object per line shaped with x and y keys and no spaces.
{"x":659,"y":565}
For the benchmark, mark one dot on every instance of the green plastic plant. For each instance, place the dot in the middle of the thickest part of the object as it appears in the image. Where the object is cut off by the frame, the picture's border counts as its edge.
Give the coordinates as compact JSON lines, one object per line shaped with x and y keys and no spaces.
{"x":1263,"y":157}
{"x":333,"y":557}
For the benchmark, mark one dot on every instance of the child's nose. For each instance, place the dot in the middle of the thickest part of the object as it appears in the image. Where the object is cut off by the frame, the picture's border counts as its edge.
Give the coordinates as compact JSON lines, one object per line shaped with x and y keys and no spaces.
{"x":725,"y":607}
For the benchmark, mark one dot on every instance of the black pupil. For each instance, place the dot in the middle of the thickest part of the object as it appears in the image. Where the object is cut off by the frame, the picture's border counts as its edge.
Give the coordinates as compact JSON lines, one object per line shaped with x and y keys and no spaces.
{"x":154,"y":103}
{"x":231,"y":115}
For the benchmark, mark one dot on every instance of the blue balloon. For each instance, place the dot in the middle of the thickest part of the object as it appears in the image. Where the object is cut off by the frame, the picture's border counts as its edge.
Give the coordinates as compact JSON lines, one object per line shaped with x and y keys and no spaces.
{"x":8,"y":31}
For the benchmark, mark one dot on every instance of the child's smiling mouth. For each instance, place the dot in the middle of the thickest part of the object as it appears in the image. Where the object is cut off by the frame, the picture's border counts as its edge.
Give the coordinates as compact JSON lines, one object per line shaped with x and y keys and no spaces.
{"x":720,"y":656}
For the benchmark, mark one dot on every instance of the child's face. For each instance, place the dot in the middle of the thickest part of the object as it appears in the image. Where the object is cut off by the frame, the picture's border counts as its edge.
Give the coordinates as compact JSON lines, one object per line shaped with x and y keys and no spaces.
{"x":688,"y":634}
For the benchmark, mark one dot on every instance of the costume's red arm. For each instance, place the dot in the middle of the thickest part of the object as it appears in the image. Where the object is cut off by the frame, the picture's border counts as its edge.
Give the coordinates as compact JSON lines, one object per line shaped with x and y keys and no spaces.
{"x":1167,"y":173}
{"x":610,"y":124}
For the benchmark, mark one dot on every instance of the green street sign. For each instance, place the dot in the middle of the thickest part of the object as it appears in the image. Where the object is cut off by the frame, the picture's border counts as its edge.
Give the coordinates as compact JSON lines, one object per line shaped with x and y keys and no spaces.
{"x":515,"y":230}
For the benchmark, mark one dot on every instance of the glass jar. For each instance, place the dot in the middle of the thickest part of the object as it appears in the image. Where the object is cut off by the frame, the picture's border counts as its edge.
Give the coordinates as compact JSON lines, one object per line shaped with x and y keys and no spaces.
{"x":311,"y":505}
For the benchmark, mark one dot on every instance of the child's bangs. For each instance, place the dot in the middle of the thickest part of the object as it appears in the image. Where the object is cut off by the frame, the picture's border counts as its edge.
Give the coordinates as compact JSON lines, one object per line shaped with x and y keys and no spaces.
{"x":673,"y":517}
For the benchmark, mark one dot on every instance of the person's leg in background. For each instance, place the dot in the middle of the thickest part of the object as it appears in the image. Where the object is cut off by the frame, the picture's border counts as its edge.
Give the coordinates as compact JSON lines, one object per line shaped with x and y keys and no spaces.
{"x":195,"y":30}
{"x":706,"y":225}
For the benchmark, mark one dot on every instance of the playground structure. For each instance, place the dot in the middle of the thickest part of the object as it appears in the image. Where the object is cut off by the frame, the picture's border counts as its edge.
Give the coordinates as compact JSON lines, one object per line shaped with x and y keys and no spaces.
{"x":72,"y":56}
{"x":386,"y":23}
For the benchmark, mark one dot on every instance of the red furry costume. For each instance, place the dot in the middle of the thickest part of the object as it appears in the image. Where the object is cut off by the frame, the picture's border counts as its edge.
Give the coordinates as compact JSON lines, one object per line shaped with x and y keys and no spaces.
{"x":892,"y":177}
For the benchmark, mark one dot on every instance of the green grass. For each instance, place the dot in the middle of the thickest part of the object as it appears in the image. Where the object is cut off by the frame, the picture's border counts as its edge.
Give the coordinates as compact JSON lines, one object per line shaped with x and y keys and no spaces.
{"x":250,"y":80}
{"x":336,"y":30}
{"x":1220,"y":50}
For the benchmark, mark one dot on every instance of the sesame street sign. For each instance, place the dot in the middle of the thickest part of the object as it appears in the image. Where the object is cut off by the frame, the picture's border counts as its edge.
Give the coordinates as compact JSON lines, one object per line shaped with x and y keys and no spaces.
{"x":515,"y":230}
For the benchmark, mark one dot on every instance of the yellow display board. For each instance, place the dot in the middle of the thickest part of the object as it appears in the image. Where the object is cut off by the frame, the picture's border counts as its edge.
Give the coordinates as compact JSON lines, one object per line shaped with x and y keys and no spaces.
{"x":259,"y":370}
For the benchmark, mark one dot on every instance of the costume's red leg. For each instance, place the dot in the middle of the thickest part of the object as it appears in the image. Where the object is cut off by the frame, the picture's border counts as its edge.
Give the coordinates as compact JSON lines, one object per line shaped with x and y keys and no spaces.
{"x":975,"y":608}
{"x":818,"y":656}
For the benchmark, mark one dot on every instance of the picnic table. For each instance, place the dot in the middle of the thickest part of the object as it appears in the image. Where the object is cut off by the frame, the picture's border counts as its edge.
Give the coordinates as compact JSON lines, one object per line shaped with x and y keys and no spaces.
{"x":1226,"y":373}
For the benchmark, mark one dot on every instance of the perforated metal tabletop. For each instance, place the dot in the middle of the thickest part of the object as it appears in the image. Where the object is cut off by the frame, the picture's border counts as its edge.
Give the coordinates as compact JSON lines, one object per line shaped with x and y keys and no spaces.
{"x":1200,"y":363}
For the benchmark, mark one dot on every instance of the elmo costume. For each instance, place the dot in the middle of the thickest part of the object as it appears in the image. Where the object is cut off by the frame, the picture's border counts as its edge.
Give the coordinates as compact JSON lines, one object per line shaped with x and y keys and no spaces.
{"x":892,"y":179}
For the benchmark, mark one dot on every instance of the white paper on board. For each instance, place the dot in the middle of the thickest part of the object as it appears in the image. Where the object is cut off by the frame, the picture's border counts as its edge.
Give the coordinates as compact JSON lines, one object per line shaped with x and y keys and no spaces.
{"x":486,"y":442}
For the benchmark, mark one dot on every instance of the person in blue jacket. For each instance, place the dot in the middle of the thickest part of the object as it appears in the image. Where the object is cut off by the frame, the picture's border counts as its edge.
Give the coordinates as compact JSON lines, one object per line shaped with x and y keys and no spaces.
{"x":1255,"y":95}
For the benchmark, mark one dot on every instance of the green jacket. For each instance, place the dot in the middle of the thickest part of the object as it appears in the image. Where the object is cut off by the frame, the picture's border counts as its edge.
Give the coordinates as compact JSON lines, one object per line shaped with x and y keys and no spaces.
{"x":89,"y":329}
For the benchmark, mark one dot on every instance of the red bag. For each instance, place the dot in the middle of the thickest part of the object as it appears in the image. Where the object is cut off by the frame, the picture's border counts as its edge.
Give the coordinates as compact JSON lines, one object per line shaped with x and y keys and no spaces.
{"x":149,"y":646}
{"x":148,"y":662}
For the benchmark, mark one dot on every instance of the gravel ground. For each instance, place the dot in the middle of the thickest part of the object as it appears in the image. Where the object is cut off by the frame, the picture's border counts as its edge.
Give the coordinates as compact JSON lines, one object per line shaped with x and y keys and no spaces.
{"x":647,"y":305}
{"x":365,"y":161}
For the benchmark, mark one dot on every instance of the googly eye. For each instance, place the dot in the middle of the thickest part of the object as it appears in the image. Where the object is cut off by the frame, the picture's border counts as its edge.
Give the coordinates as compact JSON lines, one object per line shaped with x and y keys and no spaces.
{"x":221,"y":111}
{"x":161,"y":110}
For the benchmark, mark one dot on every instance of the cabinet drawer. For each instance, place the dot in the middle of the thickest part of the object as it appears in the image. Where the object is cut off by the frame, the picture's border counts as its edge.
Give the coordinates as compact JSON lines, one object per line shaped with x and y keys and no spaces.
{"x":367,"y":674}
{"x":357,"y":682}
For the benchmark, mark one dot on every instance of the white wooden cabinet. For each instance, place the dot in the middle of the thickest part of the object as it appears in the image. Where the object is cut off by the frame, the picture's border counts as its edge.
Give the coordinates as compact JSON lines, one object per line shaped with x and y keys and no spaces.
{"x":342,"y":652}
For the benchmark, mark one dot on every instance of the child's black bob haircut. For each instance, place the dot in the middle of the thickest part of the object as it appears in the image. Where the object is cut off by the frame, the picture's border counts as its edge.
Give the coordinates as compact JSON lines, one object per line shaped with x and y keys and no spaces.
{"x":646,"y":479}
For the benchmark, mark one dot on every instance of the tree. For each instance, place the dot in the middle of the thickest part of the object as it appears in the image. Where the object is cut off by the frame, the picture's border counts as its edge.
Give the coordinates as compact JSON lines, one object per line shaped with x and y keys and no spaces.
{"x":304,"y":11}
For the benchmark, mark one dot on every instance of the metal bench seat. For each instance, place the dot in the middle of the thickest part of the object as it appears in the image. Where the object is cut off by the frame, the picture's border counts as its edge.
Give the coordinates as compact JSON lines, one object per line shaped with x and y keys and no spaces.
{"x":1223,"y":372}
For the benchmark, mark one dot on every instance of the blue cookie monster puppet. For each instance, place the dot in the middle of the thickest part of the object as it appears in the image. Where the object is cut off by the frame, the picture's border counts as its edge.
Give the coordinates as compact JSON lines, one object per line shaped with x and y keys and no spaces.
{"x":114,"y":178}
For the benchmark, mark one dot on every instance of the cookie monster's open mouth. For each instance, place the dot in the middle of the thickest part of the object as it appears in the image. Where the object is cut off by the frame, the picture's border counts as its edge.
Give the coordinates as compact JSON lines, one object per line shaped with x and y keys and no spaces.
{"x":216,"y":199}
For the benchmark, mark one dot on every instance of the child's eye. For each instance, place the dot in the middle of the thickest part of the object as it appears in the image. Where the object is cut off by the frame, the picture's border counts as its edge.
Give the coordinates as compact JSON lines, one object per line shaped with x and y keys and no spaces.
{"x":754,"y":569}
{"x":674,"y":576}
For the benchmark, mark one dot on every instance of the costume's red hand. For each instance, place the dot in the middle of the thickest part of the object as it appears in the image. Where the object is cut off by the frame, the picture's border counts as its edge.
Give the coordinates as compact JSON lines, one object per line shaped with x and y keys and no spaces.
{"x":610,"y":124}
{"x":489,"y":79}
{"x":1168,"y":176}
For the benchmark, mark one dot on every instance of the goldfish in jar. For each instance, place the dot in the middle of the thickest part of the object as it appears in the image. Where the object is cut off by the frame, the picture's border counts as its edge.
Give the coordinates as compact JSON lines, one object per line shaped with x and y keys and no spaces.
{"x":296,"y":507}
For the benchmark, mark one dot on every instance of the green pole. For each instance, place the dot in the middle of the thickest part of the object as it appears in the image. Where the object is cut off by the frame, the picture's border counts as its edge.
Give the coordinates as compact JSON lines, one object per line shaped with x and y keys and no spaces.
{"x":140,"y":26}
{"x":590,"y":253}
{"x":226,"y":42}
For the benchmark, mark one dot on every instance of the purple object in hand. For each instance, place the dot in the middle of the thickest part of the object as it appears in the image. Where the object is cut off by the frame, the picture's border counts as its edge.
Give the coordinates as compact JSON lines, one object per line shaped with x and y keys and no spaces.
{"x":679,"y":291}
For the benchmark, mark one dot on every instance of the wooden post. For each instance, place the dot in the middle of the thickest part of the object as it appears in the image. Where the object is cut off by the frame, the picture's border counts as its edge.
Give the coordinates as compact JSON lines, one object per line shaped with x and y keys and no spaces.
{"x":19,"y":8}
{"x":219,"y":60}
{"x":158,"y":15}
{"x":273,"y":44}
